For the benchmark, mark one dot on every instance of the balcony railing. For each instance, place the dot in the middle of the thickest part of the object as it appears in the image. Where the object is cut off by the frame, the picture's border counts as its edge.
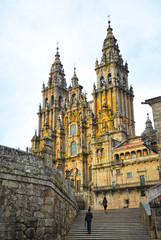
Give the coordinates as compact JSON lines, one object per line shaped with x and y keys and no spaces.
{"x":116,"y":162}
{"x":124,"y":186}
{"x":142,"y":158}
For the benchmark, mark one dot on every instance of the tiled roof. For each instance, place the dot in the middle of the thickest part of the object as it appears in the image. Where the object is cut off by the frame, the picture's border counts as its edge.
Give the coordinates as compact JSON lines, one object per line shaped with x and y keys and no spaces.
{"x":130,"y":145}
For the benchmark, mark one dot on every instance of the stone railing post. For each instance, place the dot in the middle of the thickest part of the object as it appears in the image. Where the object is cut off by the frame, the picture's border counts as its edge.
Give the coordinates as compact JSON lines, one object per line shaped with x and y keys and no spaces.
{"x":47,"y":151}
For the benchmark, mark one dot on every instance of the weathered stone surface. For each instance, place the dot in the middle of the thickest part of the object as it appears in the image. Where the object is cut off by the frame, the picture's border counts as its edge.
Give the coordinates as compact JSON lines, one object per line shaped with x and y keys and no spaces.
{"x":19,"y":235}
{"x":39,"y":238}
{"x":47,"y":237}
{"x":30,"y":233}
{"x":3,"y":227}
{"x":33,"y":222}
{"x":40,"y":232}
{"x":49,"y":230}
{"x":49,"y":208}
{"x":48,"y":200}
{"x":11,"y":232}
{"x":13,"y":184}
{"x":41,"y":222}
{"x":40,"y":200}
{"x":39,"y":214}
{"x":30,"y":201}
{"x":3,"y":235}
{"x":49,"y":222}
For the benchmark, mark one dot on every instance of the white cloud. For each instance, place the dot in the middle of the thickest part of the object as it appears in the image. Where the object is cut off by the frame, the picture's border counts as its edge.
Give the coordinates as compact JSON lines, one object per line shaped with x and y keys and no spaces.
{"x":29,"y":32}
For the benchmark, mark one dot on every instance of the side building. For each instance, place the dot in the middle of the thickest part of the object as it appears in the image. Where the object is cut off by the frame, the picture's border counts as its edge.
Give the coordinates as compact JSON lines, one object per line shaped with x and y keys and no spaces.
{"x":94,"y":143}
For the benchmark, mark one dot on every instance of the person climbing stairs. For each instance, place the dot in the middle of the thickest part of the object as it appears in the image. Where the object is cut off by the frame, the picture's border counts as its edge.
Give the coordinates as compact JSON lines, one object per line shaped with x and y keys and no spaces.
{"x":116,"y":224}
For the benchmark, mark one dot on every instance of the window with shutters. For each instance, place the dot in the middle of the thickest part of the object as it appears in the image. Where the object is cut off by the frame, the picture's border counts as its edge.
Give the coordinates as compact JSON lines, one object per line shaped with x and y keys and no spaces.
{"x":129,"y":175}
{"x":142,"y":180}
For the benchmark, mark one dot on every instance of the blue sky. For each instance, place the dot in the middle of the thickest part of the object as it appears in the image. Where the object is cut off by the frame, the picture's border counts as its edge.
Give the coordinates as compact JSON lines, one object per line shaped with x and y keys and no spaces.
{"x":29,"y":31}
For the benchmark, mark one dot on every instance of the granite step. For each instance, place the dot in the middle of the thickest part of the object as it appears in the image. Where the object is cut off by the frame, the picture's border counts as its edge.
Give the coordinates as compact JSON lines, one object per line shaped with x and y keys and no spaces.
{"x":116,"y":224}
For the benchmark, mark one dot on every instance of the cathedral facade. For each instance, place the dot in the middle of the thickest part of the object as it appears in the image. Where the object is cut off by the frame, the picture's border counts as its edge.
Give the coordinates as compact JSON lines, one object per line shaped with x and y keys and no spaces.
{"x":94,"y":143}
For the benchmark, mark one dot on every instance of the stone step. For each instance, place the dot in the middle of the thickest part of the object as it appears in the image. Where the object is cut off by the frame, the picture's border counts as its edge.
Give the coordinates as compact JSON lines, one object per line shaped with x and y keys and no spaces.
{"x":116,"y":224}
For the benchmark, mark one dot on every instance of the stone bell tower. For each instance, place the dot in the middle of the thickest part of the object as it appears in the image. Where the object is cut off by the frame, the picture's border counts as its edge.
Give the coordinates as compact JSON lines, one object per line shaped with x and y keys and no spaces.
{"x":113,"y":99}
{"x":52,"y":103}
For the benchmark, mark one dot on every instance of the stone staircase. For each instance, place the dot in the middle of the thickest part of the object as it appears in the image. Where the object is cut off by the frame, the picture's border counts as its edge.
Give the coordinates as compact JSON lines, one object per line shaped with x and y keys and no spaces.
{"x":116,"y":224}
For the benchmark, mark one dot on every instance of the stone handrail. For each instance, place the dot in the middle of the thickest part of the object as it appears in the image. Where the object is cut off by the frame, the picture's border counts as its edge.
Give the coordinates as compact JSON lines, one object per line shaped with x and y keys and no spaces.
{"x":154,"y":192}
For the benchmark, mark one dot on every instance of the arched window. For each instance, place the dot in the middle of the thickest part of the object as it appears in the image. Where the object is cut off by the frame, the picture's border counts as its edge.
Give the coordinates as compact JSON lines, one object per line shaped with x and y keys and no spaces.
{"x":104,"y":123}
{"x":73,"y":97}
{"x":133,"y":154}
{"x":73,"y":129}
{"x":139,"y":153}
{"x":101,"y":81}
{"x":124,"y":81}
{"x":90,"y":173}
{"x":127,"y":155}
{"x":46,"y":102}
{"x":104,"y":58}
{"x":80,"y":116}
{"x":66,"y":120}
{"x":52,"y":100}
{"x":89,"y":146}
{"x":117,"y":157}
{"x":122,"y":156}
{"x":97,"y":152}
{"x":145,"y":152}
{"x":60,"y":101}
{"x":102,"y":151}
{"x":118,"y":77}
{"x":58,"y":154}
{"x":102,"y":154}
{"x":109,"y":78}
{"x":50,"y":81}
{"x":110,"y":56}
{"x":73,"y":148}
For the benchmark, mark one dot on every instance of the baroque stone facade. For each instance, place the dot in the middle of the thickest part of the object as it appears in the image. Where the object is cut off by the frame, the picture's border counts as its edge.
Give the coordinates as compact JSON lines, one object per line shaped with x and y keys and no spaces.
{"x":94,"y":143}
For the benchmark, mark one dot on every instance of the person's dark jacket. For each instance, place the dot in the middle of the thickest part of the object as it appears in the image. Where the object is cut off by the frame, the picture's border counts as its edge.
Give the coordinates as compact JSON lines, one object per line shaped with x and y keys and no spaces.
{"x":88,"y":217}
{"x":105,"y":202}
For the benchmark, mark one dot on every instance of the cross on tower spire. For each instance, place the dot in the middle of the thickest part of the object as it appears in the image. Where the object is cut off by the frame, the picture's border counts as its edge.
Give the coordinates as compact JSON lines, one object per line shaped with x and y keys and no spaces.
{"x":57,"y":46}
{"x":109,"y":19}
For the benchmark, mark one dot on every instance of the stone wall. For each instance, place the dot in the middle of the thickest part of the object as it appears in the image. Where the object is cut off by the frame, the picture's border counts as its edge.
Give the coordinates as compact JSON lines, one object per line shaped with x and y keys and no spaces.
{"x":151,"y":217}
{"x":35,"y":201}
